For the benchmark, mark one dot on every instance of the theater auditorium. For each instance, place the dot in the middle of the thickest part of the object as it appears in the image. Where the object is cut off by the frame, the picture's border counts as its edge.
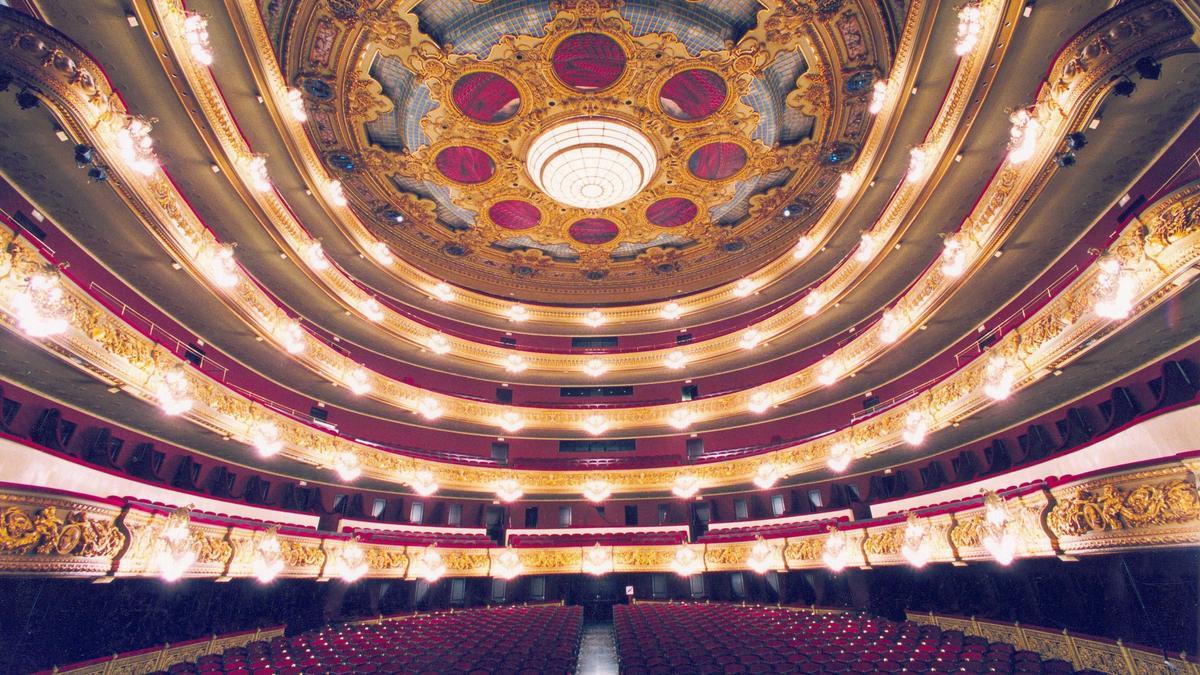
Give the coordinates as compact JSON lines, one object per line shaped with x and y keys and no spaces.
{"x":610,"y":337}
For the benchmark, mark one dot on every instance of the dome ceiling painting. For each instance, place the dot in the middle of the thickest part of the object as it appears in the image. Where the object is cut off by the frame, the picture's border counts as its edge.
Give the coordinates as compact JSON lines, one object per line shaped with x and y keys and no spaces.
{"x":586,"y":151}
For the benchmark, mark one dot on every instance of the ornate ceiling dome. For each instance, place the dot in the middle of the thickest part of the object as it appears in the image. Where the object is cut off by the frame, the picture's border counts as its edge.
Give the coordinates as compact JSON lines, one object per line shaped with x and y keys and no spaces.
{"x":590,"y":151}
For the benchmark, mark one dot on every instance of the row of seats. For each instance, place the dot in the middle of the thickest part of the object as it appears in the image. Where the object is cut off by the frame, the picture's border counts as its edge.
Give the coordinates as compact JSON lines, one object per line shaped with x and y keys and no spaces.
{"x":767,"y":531}
{"x":623,"y":538}
{"x":501,"y":641}
{"x":425,"y":538}
{"x":664,"y":639}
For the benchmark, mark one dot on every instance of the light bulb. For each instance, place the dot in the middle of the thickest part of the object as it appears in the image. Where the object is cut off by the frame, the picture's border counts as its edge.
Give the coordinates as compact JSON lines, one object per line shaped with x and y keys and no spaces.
{"x":347,"y":466}
{"x":438,"y":344}
{"x":267,"y":438}
{"x":594,"y":318}
{"x":759,"y":402}
{"x":518,"y":313}
{"x":357,"y":380}
{"x":750,"y":339}
{"x":680,"y":418}
{"x":766,"y":475}
{"x":173,"y":389}
{"x":40,"y":306}
{"x":423,"y":482}
{"x":382,"y":253}
{"x":595,"y":367}
{"x":295,"y":102}
{"x":878,"y":97}
{"x":685,"y":486}
{"x":195,"y":33}
{"x":430,"y":408}
{"x":511,"y":421}
{"x":596,"y":491}
{"x":970,"y":26}
{"x":595,"y":424}
{"x":442,"y":291}
{"x":260,"y":179}
{"x":916,"y":424}
{"x":840,"y":456}
{"x":744,"y":288}
{"x":671,"y":311}
{"x":508,"y":490}
{"x":514,"y":363}
{"x":675,"y":360}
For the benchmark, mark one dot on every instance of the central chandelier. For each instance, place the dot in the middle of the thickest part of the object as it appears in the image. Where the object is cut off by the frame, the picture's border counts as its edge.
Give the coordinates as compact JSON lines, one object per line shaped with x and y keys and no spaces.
{"x":591,"y":163}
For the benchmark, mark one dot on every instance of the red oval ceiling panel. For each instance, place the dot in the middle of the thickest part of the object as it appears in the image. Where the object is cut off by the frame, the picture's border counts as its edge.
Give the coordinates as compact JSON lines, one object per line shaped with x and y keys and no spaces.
{"x":593,"y":231}
{"x":693,"y":94}
{"x":486,"y":97}
{"x":514,"y":214}
{"x":671,"y":212}
{"x":588,"y":61}
{"x":717,"y":161}
{"x":464,"y":164}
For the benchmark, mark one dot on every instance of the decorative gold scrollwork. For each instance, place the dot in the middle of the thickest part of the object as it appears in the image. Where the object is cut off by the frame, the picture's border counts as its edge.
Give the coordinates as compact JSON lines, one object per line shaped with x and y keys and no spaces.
{"x":44,"y":532}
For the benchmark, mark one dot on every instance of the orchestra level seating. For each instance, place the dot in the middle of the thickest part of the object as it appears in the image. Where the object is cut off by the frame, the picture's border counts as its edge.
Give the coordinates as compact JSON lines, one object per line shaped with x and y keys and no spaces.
{"x":505,"y":640}
{"x":672,"y":639}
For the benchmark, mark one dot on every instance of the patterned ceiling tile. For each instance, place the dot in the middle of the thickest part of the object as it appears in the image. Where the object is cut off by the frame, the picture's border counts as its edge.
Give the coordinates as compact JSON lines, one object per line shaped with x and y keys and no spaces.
{"x":699,"y":26}
{"x":475,"y":28}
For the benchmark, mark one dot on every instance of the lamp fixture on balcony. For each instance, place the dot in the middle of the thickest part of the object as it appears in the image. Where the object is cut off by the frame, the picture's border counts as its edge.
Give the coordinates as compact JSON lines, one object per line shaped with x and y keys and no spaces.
{"x":174,"y":550}
{"x":596,"y":491}
{"x":173,"y":389}
{"x":597,"y":560}
{"x":686,"y":561}
{"x":836,"y":551}
{"x":40,"y":305}
{"x":267,"y":438}
{"x":915,"y":546}
{"x":347,"y":465}
{"x":268,"y":556}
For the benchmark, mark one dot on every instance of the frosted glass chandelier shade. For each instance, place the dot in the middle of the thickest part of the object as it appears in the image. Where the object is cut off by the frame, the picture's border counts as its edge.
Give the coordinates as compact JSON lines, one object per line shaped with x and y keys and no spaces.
{"x":591,"y":163}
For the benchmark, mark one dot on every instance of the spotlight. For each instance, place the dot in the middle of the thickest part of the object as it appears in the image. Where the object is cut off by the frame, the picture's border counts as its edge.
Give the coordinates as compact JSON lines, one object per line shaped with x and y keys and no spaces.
{"x":97,"y":174}
{"x":26,"y":99}
{"x":1124,"y":88}
{"x":1076,"y":140}
{"x":83,"y":155}
{"x":1065,"y":159}
{"x":1148,"y":68}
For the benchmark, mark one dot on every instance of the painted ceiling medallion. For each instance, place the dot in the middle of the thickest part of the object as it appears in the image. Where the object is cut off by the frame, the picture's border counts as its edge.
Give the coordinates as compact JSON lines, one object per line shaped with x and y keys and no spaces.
{"x":717,"y":161}
{"x":593,"y":231}
{"x":588,"y":61}
{"x":693,"y":95}
{"x":464,"y":164}
{"x":501,"y":129}
{"x":671,"y":212}
{"x":486,"y":97}
{"x":514,"y":214}
{"x":591,"y":163}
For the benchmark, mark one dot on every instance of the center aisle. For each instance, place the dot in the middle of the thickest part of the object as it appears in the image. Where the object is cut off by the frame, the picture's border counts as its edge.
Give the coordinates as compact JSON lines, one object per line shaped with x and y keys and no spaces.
{"x":597,"y":650}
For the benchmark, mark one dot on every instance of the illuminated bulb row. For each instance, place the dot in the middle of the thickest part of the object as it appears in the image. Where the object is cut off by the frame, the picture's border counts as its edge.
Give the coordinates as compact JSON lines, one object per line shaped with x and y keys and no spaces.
{"x":970,"y":26}
{"x":135,"y":145}
{"x":1023,"y":136}
{"x":195,"y":32}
